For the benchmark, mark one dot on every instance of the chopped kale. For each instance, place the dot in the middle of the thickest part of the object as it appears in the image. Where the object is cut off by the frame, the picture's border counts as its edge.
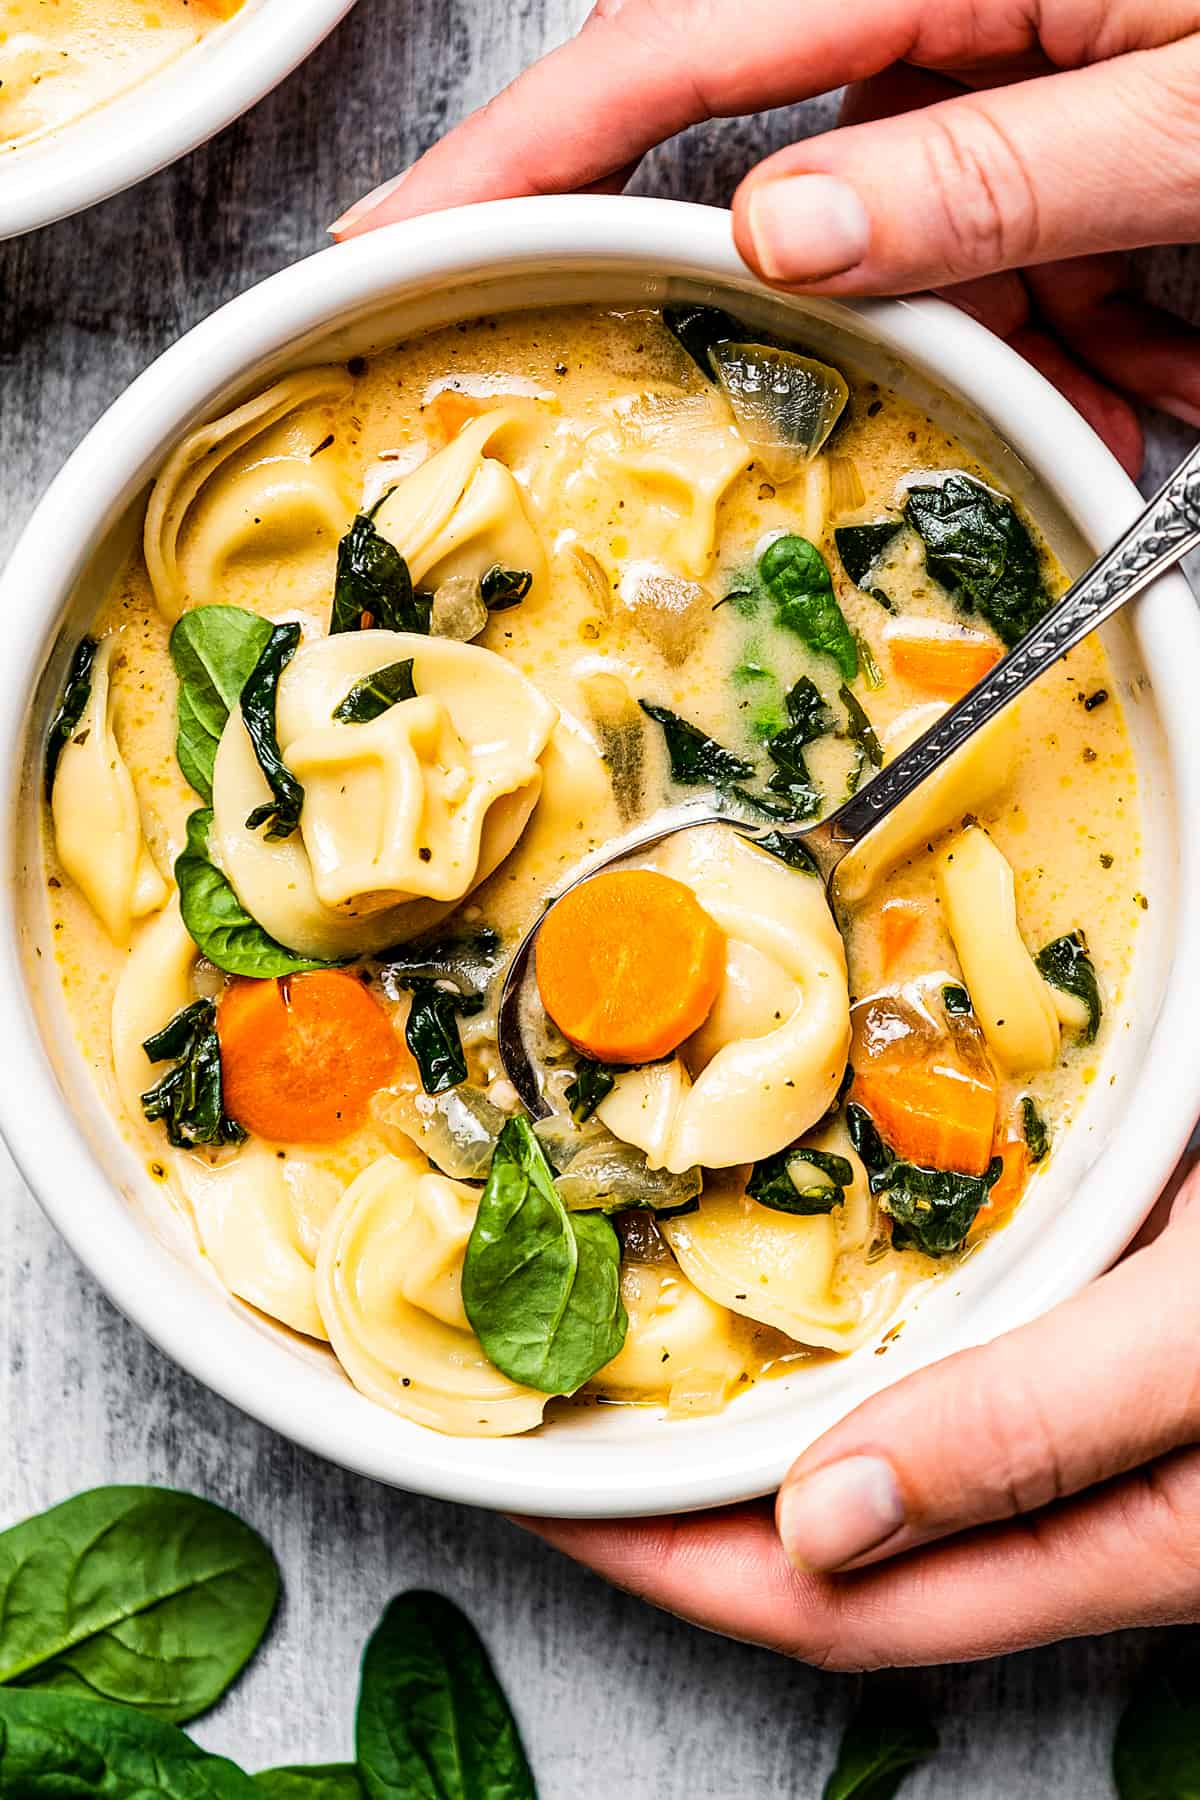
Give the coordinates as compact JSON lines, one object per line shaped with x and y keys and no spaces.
{"x":1066,"y":965}
{"x":979,"y":548}
{"x":188,"y":1100}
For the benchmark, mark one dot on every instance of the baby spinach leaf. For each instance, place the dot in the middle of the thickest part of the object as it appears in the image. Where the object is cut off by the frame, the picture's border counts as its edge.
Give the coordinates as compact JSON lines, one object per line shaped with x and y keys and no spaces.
{"x":888,"y":1737}
{"x":795,"y":575}
{"x":323,"y":1781}
{"x":541,"y":1286}
{"x":979,"y":548}
{"x":76,"y":693}
{"x":870,"y":1148}
{"x":1156,"y":1754}
{"x":468,"y":960}
{"x":593,"y":1083}
{"x":810,"y":719}
{"x":500,"y":588}
{"x":1065,"y":964}
{"x":218,"y":922}
{"x":1037,"y":1132}
{"x":132,"y":1594}
{"x":785,"y":1182}
{"x":956,"y":1000}
{"x":932,"y":1210}
{"x":861,"y":732}
{"x":373,"y":585}
{"x":376,"y":694}
{"x":280,"y":814}
{"x":189,"y":1099}
{"x":431,"y":1031}
{"x":699,"y":329}
{"x":433,"y":1721}
{"x":696,"y":760}
{"x":215,"y":650}
{"x":791,"y":849}
{"x":58,"y":1747}
{"x":860,"y":548}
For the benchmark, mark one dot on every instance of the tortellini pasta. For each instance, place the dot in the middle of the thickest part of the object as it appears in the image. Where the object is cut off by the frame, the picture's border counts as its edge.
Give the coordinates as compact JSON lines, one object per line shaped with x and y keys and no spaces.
{"x":389,"y":1285}
{"x":97,"y":821}
{"x":250,"y":490}
{"x":403,"y":816}
{"x":680,"y":1345}
{"x":767,"y":1062}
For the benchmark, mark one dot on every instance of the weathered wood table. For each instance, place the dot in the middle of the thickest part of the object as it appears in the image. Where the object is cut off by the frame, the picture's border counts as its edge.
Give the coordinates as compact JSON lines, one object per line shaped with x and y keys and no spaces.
{"x":613,"y":1698}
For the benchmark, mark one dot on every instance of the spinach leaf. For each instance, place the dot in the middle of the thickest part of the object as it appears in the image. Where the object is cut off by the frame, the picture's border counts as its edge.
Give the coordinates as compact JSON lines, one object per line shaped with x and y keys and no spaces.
{"x":433,"y":1721}
{"x":376,"y":694}
{"x":860,"y":548}
{"x":215,"y":650}
{"x":872,"y":672}
{"x":889,"y":1736}
{"x":322,"y":1781}
{"x":785,"y":1182}
{"x":1156,"y":1754}
{"x":791,"y":849}
{"x":1065,"y":964}
{"x":541,"y":1286}
{"x":468,"y":960}
{"x":870,"y":1148}
{"x":500,"y":588}
{"x":699,"y":328}
{"x":373,"y":585}
{"x":696,"y":760}
{"x":70,"y":710}
{"x":281,"y":813}
{"x":1037,"y":1132}
{"x":956,"y":1000}
{"x":189,"y":1099}
{"x":979,"y":548}
{"x":861,"y":732}
{"x":431,"y":1031}
{"x":593,"y":1083}
{"x":131,"y":1594}
{"x":57,"y":1747}
{"x":218,"y":922}
{"x":932,"y":1210}
{"x":810,"y":719}
{"x":795,"y":575}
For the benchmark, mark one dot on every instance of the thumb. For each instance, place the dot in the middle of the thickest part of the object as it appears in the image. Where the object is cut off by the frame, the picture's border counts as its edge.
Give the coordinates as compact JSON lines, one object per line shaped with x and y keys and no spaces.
{"x":1101,"y":158}
{"x":1097,"y":1387}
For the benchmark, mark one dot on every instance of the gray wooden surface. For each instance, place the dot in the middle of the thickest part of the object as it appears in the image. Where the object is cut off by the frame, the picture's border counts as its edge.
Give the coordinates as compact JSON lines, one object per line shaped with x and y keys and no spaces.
{"x":612,"y":1697}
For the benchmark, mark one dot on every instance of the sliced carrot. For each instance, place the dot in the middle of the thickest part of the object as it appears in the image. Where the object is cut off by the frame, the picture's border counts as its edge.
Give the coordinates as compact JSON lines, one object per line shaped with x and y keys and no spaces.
{"x":300,"y":1058}
{"x":898,"y":921}
{"x":936,"y":1114}
{"x":1007,"y":1190}
{"x":942,"y":664}
{"x":629,"y":964}
{"x":451,"y":410}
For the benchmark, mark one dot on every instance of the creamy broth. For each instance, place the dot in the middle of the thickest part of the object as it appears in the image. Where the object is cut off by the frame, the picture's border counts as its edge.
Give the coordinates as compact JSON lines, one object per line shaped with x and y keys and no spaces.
{"x":60,"y":59}
{"x":598,"y":457}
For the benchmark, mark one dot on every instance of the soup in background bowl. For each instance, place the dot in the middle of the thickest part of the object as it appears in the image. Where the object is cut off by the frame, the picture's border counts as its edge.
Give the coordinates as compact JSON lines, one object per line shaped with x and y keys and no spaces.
{"x":404,"y":627}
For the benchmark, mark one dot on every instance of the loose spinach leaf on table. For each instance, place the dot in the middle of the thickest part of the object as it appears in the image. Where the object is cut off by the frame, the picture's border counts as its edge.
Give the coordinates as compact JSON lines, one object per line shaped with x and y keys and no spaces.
{"x":215,"y":650}
{"x":593,"y":1083}
{"x":860,"y":548}
{"x":77,"y":691}
{"x":376,"y":694}
{"x":189,"y":1099}
{"x":1037,"y":1132}
{"x":433,"y":1721}
{"x":373,"y":583}
{"x":699,"y":328}
{"x":932,"y":1210}
{"x":1065,"y":964}
{"x":979,"y":548}
{"x":218,"y":922}
{"x":133,"y":1594}
{"x":1156,"y":1754}
{"x":796,"y":577}
{"x":431,"y":1031}
{"x":468,"y":960}
{"x":500,"y":588}
{"x":541,"y":1285}
{"x":782,"y":1182}
{"x":281,"y":813}
{"x":861,"y":732}
{"x":696,"y":759}
{"x":322,"y":1781}
{"x":59,"y":1747}
{"x":886,"y":1739}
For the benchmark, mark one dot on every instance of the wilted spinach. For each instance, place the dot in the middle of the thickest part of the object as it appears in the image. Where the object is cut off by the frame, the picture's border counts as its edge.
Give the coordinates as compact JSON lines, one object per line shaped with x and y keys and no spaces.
{"x":281,"y":813}
{"x":541,"y":1285}
{"x":699,"y":328}
{"x":932,"y":1210}
{"x":1037,"y":1132}
{"x":889,"y":1736}
{"x":979,"y":548}
{"x":215,"y":650}
{"x":431,"y":1031}
{"x":1156,"y":1755}
{"x":696,"y":759}
{"x":860,"y":548}
{"x":218,"y":922}
{"x":468,"y":960}
{"x":870,"y":1148}
{"x":376,"y":694}
{"x":189,"y":1100}
{"x":796,"y":577}
{"x":956,"y":1000}
{"x":784,"y":1181}
{"x":859,"y":729}
{"x":500,"y":588}
{"x":790,"y":849}
{"x":593,"y":1083}
{"x":76,"y":693}
{"x":1065,"y":964}
{"x":373,"y":584}
{"x":810,"y":719}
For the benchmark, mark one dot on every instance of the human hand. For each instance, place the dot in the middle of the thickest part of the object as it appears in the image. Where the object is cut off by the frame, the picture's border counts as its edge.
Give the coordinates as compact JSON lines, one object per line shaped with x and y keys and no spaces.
{"x":979,"y":137}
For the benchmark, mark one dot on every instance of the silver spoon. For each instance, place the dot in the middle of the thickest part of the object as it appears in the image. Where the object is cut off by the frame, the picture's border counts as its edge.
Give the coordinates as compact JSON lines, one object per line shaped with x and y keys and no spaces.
{"x":1165,"y":531}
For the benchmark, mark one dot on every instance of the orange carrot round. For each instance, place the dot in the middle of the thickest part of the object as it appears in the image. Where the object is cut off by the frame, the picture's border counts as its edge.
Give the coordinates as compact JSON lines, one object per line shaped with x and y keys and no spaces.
{"x":941,"y":664}
{"x":629,"y":964}
{"x":301,"y":1057}
{"x":938,"y":1115}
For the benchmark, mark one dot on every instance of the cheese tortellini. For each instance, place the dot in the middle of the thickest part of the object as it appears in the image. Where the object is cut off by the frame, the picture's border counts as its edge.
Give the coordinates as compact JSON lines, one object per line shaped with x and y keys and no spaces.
{"x":680,"y":1346}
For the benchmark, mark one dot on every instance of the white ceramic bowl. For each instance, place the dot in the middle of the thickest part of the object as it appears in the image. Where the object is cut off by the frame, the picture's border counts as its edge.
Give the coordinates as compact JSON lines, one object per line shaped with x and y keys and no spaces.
{"x":1103,"y":1178}
{"x":143,"y":130}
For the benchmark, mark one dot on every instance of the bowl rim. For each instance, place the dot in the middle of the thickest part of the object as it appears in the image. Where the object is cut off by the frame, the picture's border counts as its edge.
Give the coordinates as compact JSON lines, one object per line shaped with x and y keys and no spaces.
{"x":43,"y":1131}
{"x":172,"y":112}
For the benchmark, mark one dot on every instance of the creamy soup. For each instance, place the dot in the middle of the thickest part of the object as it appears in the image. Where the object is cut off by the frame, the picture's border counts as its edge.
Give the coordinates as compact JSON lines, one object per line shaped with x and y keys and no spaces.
{"x":407,"y":639}
{"x":61,"y":58}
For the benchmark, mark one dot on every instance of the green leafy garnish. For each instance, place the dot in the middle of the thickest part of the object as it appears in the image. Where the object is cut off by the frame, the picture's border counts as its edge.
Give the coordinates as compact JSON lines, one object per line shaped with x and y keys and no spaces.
{"x":218,"y":922}
{"x":888,"y":1737}
{"x":979,"y":548}
{"x":281,"y":813}
{"x":57,"y":1745}
{"x":699,"y":329}
{"x":500,"y":588}
{"x":373,"y":584}
{"x":1037,"y":1132}
{"x":1066,"y":965}
{"x":956,"y":999}
{"x":72,"y":706}
{"x":467,"y":960}
{"x":433,"y":1721}
{"x":861,"y":732}
{"x":790,"y":849}
{"x":796,"y":577}
{"x":696,"y":759}
{"x":810,"y":719}
{"x":215,"y":650}
{"x":1156,"y":1754}
{"x":593,"y":1083}
{"x":932,"y":1210}
{"x":801,"y":1181}
{"x":431,"y":1031}
{"x":131,"y":1594}
{"x":189,"y":1099}
{"x":870,"y":1148}
{"x":541,"y":1285}
{"x":376,"y":694}
{"x":860,"y":548}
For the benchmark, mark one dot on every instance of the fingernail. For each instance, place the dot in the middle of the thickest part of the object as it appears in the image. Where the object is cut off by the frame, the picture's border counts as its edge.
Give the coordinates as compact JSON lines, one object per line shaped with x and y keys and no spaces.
{"x":366,"y":205}
{"x":829,"y":1518}
{"x":807,"y":227}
